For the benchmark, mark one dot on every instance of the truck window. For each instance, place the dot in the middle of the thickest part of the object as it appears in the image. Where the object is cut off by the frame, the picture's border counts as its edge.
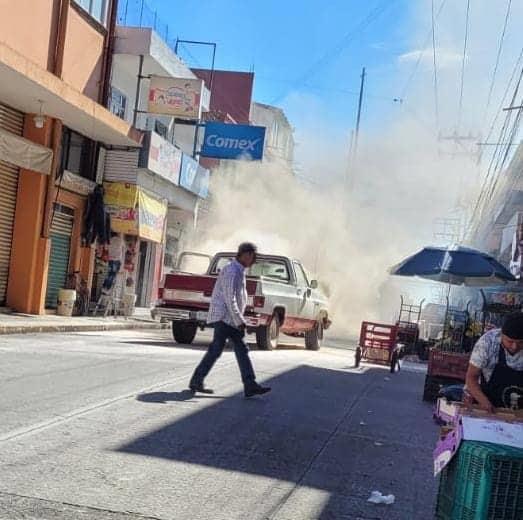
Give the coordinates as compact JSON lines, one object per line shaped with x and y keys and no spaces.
{"x":273,"y":269}
{"x":301,"y":277}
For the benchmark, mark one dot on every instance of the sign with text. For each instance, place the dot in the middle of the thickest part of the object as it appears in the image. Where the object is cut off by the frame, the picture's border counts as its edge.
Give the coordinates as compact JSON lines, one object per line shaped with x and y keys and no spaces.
{"x":134,"y":212}
{"x":151,"y":217}
{"x":164,"y":158}
{"x":121,"y":202}
{"x":194,"y":177}
{"x":227,"y":141}
{"x":176,"y":97}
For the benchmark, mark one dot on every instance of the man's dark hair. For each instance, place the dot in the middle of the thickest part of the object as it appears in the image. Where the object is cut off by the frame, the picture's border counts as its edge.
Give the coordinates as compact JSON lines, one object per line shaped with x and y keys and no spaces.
{"x":513,"y":326}
{"x":246,"y":247}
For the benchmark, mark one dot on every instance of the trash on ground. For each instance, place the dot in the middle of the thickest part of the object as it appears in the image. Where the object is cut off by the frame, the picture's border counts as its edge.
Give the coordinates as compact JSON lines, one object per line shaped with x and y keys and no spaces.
{"x":386,"y":378}
{"x":378,"y":443}
{"x":377,"y":498}
{"x":362,"y":423}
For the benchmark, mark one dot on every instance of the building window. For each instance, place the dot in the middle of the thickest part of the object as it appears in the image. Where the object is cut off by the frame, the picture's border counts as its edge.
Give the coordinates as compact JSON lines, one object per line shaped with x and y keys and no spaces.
{"x":78,"y":155}
{"x":96,"y":8}
{"x":118,"y":103}
{"x":161,"y":129}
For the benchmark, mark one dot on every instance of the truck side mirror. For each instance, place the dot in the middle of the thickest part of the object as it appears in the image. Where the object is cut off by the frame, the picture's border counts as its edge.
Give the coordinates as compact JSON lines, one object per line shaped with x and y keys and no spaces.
{"x":314,"y":284}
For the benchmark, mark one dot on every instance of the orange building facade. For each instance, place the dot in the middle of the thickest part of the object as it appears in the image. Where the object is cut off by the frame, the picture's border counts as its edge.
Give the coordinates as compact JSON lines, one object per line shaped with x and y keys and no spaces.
{"x":55,"y":61}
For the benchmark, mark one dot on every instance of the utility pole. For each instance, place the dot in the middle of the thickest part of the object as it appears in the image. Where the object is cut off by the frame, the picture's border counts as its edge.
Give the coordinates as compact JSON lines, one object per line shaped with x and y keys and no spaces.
{"x":353,"y":147}
{"x":358,"y":117}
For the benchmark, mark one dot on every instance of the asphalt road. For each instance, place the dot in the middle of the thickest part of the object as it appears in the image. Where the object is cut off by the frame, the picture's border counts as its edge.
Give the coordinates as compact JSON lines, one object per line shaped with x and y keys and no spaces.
{"x":99,"y":426}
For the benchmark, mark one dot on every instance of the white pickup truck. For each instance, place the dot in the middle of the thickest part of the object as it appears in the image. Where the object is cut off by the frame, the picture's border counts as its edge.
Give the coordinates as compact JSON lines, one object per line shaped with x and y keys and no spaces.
{"x":281,"y":299}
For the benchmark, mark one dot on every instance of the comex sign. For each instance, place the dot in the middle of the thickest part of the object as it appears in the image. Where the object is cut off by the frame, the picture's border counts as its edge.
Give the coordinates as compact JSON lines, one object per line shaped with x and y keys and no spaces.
{"x":226,"y":141}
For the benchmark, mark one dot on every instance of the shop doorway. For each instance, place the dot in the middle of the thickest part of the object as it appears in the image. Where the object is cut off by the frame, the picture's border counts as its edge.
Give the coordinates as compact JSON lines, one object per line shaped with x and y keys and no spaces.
{"x":144,"y":282}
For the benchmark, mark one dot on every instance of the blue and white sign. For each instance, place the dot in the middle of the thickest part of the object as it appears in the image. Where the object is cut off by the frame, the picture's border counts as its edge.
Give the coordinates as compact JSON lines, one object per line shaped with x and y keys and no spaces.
{"x":193,"y":177}
{"x":226,"y":141}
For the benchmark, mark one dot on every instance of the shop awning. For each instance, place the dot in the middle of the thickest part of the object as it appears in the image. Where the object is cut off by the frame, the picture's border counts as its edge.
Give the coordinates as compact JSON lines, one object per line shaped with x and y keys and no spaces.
{"x":24,"y":84}
{"x":24,"y":153}
{"x":135,"y":212}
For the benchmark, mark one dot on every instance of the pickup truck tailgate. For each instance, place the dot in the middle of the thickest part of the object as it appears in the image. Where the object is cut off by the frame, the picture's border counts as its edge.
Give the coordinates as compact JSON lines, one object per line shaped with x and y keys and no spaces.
{"x":194,"y":291}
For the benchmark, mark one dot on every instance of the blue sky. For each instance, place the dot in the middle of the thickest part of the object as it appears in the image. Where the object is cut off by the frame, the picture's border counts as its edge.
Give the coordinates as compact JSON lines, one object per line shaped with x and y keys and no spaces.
{"x":306,"y":50}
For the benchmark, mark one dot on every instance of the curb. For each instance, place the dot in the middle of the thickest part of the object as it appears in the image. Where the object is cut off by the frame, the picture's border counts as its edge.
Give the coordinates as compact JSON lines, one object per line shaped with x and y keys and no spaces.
{"x":30,"y":329}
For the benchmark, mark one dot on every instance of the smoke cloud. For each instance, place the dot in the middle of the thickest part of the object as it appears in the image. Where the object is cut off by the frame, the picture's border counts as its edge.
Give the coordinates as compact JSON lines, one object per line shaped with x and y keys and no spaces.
{"x":402,"y":180}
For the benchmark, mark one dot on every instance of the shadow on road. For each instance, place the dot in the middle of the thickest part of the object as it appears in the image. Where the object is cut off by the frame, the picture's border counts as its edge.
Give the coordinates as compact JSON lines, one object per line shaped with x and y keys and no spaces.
{"x":165,"y":397}
{"x":309,"y":432}
{"x":167,"y":344}
{"x":203,"y":345}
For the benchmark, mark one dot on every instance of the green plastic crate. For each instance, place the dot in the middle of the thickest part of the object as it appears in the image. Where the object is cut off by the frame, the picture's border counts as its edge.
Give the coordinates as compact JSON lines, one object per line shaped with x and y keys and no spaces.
{"x":484,"y":481}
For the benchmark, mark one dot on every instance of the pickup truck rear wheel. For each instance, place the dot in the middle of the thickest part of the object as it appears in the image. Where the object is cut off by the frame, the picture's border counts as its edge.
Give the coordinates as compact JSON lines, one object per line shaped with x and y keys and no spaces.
{"x":267,"y":336}
{"x":184,"y":332}
{"x":314,"y":337}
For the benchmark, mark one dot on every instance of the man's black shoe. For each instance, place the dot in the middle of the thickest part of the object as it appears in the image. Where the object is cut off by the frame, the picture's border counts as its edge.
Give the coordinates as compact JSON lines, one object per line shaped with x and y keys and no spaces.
{"x":256,"y":390}
{"x":200,"y":389}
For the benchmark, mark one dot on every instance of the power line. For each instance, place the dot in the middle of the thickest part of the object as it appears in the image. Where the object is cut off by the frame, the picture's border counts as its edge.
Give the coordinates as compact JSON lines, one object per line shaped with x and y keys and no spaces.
{"x":460,"y":109}
{"x":500,"y":47}
{"x":421,"y":53}
{"x":493,"y":173}
{"x":346,"y":40}
{"x":498,"y":112}
{"x":436,"y":107}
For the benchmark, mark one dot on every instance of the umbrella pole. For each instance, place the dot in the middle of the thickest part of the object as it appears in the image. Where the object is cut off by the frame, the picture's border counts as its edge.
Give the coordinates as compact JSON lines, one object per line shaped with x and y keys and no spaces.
{"x":446,"y":325}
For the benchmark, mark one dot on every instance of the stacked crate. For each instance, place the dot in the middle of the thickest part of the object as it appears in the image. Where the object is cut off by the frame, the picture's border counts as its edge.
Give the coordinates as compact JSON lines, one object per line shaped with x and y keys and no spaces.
{"x":484,"y":481}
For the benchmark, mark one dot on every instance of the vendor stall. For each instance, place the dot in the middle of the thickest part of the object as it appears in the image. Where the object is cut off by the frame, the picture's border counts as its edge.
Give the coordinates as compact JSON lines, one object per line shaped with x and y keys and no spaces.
{"x":479,"y":458}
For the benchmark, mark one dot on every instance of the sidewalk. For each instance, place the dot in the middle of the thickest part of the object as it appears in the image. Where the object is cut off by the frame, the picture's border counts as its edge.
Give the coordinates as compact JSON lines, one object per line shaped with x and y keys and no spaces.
{"x":14,"y":323}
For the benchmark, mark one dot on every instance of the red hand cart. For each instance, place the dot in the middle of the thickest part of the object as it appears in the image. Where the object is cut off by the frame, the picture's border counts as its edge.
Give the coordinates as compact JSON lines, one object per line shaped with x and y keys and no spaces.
{"x":379,"y":344}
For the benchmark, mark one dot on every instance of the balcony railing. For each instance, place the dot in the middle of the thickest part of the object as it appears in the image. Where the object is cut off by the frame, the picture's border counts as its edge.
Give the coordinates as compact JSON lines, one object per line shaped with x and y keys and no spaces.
{"x":138,"y":13}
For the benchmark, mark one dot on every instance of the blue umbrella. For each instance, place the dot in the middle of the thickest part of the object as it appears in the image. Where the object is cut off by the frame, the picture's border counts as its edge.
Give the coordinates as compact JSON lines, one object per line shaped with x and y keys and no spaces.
{"x":455,"y":265}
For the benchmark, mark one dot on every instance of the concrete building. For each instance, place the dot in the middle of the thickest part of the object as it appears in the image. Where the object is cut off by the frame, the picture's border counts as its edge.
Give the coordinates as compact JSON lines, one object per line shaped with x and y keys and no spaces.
{"x":498,"y":225}
{"x":164,"y":169}
{"x":231,"y":95}
{"x":279,"y":135}
{"x":55,"y":63}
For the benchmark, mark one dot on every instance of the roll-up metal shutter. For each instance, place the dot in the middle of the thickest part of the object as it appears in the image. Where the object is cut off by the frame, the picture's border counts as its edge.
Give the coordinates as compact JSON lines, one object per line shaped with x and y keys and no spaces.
{"x":61,"y":231}
{"x":12,"y":121}
{"x":121,"y":165}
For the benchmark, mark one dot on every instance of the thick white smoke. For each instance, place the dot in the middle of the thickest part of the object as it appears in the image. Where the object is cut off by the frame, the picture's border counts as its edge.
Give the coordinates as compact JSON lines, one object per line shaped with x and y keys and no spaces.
{"x":404,"y":177}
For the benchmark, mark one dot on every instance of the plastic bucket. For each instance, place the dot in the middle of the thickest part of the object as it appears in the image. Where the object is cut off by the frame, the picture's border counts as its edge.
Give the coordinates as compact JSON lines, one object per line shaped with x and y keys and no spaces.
{"x":128,"y":302}
{"x":66,"y":300}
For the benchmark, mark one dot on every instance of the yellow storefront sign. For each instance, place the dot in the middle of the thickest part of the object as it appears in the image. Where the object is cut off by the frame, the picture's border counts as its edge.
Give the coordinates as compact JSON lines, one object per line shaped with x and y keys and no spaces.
{"x":152,"y":213}
{"x":134,"y":212}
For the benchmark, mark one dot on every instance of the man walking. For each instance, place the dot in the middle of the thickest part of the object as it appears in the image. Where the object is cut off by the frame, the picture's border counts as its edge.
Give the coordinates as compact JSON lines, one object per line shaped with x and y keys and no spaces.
{"x":228,"y":303}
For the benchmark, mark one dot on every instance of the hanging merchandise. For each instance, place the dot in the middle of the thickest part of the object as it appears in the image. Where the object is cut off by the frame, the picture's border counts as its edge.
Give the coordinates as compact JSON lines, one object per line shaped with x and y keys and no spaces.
{"x":97,"y":223}
{"x":130,"y":254}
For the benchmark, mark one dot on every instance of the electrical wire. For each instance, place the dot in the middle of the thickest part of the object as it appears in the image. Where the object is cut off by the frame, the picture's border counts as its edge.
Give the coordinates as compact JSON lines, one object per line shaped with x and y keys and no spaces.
{"x":460,"y":109}
{"x":496,"y":65}
{"x":493,"y":173}
{"x":436,"y":107}
{"x":346,"y":40}
{"x":499,"y":111}
{"x":421,"y":53}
